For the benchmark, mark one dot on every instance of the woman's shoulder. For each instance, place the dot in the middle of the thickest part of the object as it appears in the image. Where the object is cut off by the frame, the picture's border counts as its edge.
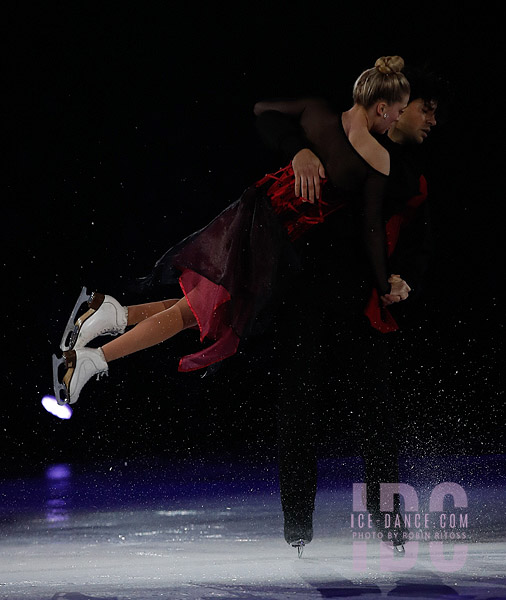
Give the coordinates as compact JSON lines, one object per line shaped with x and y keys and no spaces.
{"x":371,"y":150}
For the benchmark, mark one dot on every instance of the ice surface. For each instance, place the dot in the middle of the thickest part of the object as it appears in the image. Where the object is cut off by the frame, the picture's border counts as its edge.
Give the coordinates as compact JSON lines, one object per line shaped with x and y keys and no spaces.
{"x":216,"y":532}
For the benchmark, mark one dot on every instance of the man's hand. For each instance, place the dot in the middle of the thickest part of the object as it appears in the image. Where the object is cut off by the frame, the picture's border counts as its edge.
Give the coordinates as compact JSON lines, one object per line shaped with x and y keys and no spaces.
{"x":308,"y":170}
{"x":399,"y":290}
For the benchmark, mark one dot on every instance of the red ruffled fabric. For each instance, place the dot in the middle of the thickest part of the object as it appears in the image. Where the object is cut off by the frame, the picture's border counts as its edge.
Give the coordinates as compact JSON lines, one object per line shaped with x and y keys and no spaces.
{"x":207,"y":301}
{"x":380,"y":317}
{"x":297,"y":214}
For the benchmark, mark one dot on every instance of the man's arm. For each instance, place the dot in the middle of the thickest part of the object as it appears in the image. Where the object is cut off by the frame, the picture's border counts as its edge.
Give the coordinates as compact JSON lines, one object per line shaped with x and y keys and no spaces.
{"x":279,"y":127}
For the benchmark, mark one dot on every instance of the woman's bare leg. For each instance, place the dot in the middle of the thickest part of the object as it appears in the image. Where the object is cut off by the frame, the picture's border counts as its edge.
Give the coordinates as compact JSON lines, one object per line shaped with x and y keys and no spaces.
{"x":151,"y":330}
{"x":139,"y":312}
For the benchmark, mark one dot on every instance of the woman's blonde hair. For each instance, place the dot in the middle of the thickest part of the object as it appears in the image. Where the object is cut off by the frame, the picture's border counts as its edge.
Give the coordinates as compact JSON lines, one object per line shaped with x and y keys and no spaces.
{"x":385,"y":81}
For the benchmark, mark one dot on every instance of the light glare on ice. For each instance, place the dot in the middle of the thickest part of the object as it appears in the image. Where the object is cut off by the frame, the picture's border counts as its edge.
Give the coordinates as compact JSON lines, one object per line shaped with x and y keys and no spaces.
{"x":50,"y":404}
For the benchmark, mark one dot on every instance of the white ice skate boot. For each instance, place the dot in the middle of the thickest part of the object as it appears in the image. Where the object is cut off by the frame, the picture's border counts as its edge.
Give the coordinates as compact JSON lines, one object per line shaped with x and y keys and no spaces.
{"x":81,"y":366}
{"x":105,"y":316}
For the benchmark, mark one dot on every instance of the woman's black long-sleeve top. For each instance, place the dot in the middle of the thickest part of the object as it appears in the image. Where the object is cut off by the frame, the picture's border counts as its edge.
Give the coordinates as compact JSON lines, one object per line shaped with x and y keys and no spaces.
{"x":287,"y":126}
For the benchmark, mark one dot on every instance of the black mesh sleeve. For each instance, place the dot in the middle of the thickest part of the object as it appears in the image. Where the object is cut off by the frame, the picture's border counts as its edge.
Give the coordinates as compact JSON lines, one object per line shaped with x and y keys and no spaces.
{"x":414,"y":249}
{"x":278,"y":125}
{"x":373,"y":231}
{"x":281,"y":134}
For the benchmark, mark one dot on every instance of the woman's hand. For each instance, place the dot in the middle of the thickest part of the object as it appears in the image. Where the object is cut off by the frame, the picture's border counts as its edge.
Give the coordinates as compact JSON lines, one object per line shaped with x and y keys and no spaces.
{"x":399,"y":290}
{"x":307,"y":169}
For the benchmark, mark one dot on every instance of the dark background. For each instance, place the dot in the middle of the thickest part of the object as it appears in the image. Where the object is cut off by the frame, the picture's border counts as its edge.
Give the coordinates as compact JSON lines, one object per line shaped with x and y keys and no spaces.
{"x":128,"y":127}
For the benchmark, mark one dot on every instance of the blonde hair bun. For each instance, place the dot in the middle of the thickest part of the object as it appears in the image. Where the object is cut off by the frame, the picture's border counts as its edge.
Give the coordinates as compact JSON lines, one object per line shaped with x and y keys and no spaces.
{"x":389,"y":64}
{"x":385,"y":81}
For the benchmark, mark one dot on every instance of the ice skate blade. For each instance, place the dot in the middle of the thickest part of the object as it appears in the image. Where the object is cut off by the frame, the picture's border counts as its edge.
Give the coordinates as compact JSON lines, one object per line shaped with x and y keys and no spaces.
{"x":57,"y":384}
{"x":399,"y":550}
{"x":72,"y":327}
{"x":300,"y":545}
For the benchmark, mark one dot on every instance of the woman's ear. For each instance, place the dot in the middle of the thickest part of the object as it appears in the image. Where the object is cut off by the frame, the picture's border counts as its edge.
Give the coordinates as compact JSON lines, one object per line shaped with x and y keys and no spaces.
{"x":381,"y":108}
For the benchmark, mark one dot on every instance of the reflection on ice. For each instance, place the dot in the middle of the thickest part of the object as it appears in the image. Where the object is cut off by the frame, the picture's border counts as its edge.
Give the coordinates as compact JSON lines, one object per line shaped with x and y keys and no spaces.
{"x":59,"y":488}
{"x":58,"y":471}
{"x":56,"y":511}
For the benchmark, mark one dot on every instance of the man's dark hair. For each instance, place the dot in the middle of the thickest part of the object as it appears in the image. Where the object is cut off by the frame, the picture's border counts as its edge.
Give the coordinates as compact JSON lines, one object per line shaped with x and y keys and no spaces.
{"x":428,"y":85}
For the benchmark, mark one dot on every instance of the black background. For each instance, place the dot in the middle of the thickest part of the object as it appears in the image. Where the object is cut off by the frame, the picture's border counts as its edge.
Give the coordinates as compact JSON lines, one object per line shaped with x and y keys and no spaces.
{"x":128,"y":126}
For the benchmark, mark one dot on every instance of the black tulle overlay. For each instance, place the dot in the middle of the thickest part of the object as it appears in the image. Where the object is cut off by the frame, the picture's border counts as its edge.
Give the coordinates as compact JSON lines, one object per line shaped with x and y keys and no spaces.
{"x":229,"y":272}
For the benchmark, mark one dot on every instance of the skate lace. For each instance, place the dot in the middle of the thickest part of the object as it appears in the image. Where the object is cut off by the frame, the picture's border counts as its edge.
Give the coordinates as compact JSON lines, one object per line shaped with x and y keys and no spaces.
{"x":115,"y":330}
{"x":118,"y":327}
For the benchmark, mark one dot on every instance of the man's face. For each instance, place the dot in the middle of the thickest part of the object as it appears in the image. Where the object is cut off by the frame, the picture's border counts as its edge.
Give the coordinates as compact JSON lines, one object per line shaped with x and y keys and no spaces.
{"x":415,"y":123}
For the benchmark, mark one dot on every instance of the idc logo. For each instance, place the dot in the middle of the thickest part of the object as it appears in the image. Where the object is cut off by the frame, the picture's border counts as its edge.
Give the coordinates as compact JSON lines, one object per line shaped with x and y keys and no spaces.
{"x":412,"y":527}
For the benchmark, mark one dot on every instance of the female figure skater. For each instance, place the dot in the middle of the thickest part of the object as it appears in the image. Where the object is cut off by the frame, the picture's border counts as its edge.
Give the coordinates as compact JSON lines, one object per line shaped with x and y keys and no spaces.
{"x":230,"y":270}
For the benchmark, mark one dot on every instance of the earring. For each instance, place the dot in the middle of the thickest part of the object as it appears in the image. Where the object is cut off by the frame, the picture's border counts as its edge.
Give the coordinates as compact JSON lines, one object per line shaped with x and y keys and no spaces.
{"x":385,"y":115}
